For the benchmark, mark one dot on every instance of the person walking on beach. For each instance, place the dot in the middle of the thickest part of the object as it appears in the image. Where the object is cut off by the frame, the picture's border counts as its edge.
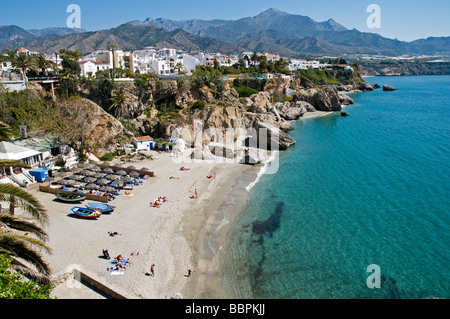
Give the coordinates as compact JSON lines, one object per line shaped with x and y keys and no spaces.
{"x":196,"y":194}
{"x":152,"y":270}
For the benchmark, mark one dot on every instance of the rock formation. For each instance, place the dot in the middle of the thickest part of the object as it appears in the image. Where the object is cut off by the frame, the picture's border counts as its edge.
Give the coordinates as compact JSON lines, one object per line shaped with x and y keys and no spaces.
{"x":388,"y":88}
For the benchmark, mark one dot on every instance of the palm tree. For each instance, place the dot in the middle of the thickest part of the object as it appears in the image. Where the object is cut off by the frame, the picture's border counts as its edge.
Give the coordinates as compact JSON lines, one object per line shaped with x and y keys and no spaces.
{"x":5,"y":132}
{"x":254,"y":58}
{"x":8,"y":55}
{"x":113,"y":47}
{"x":14,"y":242}
{"x":179,"y":67}
{"x":118,"y":98}
{"x":23,"y":61}
{"x":42,"y":63}
{"x":76,"y":55}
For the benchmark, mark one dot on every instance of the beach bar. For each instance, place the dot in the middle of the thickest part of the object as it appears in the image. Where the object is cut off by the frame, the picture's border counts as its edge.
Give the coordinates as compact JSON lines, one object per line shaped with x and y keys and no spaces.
{"x":40,"y":174}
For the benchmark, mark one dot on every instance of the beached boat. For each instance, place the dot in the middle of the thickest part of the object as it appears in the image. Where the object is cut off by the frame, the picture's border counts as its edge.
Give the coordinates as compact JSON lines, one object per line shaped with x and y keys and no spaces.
{"x":102,"y":208}
{"x":86,"y":213}
{"x":71,"y":198}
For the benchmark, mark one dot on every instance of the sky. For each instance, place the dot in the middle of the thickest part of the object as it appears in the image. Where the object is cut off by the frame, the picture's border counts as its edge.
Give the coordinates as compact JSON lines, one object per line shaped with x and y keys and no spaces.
{"x":400,"y":19}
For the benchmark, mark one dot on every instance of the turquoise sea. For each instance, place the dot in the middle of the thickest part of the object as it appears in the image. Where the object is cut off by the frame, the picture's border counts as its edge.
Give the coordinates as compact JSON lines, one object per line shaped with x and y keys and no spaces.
{"x":372,"y":188}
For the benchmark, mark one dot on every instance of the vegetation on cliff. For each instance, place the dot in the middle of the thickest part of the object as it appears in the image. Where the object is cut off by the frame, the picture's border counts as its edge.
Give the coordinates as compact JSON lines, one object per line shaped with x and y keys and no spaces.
{"x":102,"y":110}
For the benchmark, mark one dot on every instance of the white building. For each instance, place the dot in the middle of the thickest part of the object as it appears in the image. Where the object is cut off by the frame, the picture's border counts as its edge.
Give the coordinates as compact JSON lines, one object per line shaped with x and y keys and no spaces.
{"x":143,"y":143}
{"x":165,"y":53}
{"x":89,"y":68}
{"x":164,"y":66}
{"x":303,"y":64}
{"x":121,"y":59}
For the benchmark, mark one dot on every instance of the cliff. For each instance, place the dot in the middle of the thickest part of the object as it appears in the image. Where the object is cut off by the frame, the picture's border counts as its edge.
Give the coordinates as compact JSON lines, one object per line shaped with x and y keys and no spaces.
{"x":169,"y":108}
{"x":253,"y":112}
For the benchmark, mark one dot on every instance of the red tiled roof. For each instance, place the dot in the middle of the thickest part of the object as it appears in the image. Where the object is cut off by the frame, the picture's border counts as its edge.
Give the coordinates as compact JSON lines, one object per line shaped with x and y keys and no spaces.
{"x":143,"y":138}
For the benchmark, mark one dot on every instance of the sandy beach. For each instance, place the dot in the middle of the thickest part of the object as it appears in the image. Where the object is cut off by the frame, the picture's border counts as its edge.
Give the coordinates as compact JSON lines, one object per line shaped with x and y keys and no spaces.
{"x":175,"y":237}
{"x":182,"y":234}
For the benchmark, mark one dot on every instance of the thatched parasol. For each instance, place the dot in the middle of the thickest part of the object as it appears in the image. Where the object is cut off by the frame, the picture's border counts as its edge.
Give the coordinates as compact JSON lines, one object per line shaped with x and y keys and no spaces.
{"x":92,"y":186}
{"x":108,"y":170}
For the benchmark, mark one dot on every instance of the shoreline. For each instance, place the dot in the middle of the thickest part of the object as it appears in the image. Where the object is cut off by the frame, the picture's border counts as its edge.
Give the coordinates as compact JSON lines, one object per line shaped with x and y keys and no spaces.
{"x":183,"y":234}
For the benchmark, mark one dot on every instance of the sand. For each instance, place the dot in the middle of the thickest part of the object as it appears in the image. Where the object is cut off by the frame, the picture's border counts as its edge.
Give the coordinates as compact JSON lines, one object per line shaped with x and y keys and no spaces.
{"x":175,"y":237}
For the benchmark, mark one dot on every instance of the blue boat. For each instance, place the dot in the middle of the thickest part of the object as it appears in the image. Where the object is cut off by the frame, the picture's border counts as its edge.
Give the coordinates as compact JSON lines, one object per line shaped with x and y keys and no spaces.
{"x":86,"y":213}
{"x":102,"y":208}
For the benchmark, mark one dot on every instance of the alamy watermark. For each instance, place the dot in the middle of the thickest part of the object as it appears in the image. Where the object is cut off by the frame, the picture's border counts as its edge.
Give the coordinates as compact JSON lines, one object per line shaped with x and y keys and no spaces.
{"x":374,"y":279}
{"x":227,"y":146}
{"x":374,"y":20}
{"x":74,"y":19}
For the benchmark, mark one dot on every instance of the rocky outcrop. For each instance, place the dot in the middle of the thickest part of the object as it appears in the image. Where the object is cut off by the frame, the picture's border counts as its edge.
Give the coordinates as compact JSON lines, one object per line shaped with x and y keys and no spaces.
{"x":344,"y":99}
{"x":293,"y":111}
{"x":324,"y":99}
{"x":89,"y":122}
{"x":388,"y":88}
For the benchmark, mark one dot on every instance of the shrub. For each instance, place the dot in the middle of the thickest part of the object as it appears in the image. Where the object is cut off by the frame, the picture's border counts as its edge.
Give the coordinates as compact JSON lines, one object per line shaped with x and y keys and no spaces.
{"x":245,"y":91}
{"x":198,"y":105}
{"x":108,"y":157}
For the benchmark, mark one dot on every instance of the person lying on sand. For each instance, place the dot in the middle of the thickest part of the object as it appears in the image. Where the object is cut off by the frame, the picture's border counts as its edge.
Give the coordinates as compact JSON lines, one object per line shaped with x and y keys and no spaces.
{"x":173,"y":177}
{"x":112,"y":234}
{"x":184,"y":169}
{"x":210,"y":176}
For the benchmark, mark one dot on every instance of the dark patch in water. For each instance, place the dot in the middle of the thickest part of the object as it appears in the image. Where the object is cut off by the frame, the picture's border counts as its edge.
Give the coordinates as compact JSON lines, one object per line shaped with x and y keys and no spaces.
{"x":270,"y":226}
{"x":390,"y":284}
{"x":262,"y":229}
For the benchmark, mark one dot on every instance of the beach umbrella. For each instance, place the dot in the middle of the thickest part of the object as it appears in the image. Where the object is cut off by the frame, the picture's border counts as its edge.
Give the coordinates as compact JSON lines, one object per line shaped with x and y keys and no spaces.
{"x":95,"y":169}
{"x":118,"y":183}
{"x":102,"y":182}
{"x":121,"y":172}
{"x":63,"y":174}
{"x":145,"y":169}
{"x":134,"y":174}
{"x":108,"y":170}
{"x":63,"y":182}
{"x":74,"y":184}
{"x":92,"y":186}
{"x":131,"y":167}
{"x":79,"y":177}
{"x":98,"y":175}
{"x":128,"y":179}
{"x":107,"y":189}
{"x":90,"y":179}
{"x":83,"y":165}
{"x":112,"y":177}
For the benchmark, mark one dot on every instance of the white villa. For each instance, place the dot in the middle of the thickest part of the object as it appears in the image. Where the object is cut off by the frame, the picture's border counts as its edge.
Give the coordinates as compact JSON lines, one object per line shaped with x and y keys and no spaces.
{"x":303,"y":65}
{"x":143,"y":143}
{"x":90,"y":68}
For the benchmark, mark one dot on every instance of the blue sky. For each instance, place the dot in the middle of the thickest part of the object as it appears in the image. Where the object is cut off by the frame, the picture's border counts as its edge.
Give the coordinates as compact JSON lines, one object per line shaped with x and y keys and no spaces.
{"x":402,"y":19}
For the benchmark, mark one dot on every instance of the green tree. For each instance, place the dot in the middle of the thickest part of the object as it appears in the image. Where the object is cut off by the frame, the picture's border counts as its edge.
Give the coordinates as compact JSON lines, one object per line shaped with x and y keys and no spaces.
{"x":8,"y":55}
{"x":23,"y":62}
{"x":118,"y":100}
{"x":112,"y":47}
{"x":5,"y":132}
{"x":42,"y":63}
{"x":16,"y":242}
{"x":13,"y":285}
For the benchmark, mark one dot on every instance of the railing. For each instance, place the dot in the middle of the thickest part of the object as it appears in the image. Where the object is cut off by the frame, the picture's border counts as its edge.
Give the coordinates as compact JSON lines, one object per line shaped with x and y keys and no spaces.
{"x":16,"y":180}
{"x":42,"y":78}
{"x":27,"y":175}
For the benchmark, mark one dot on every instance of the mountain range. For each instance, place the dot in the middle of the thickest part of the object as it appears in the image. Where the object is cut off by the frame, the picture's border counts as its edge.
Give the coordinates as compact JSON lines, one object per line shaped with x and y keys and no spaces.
{"x":271,"y":31}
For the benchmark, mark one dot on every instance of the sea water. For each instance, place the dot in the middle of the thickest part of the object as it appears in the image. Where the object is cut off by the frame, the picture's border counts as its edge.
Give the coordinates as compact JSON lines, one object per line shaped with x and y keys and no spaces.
{"x":369,"y":189}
